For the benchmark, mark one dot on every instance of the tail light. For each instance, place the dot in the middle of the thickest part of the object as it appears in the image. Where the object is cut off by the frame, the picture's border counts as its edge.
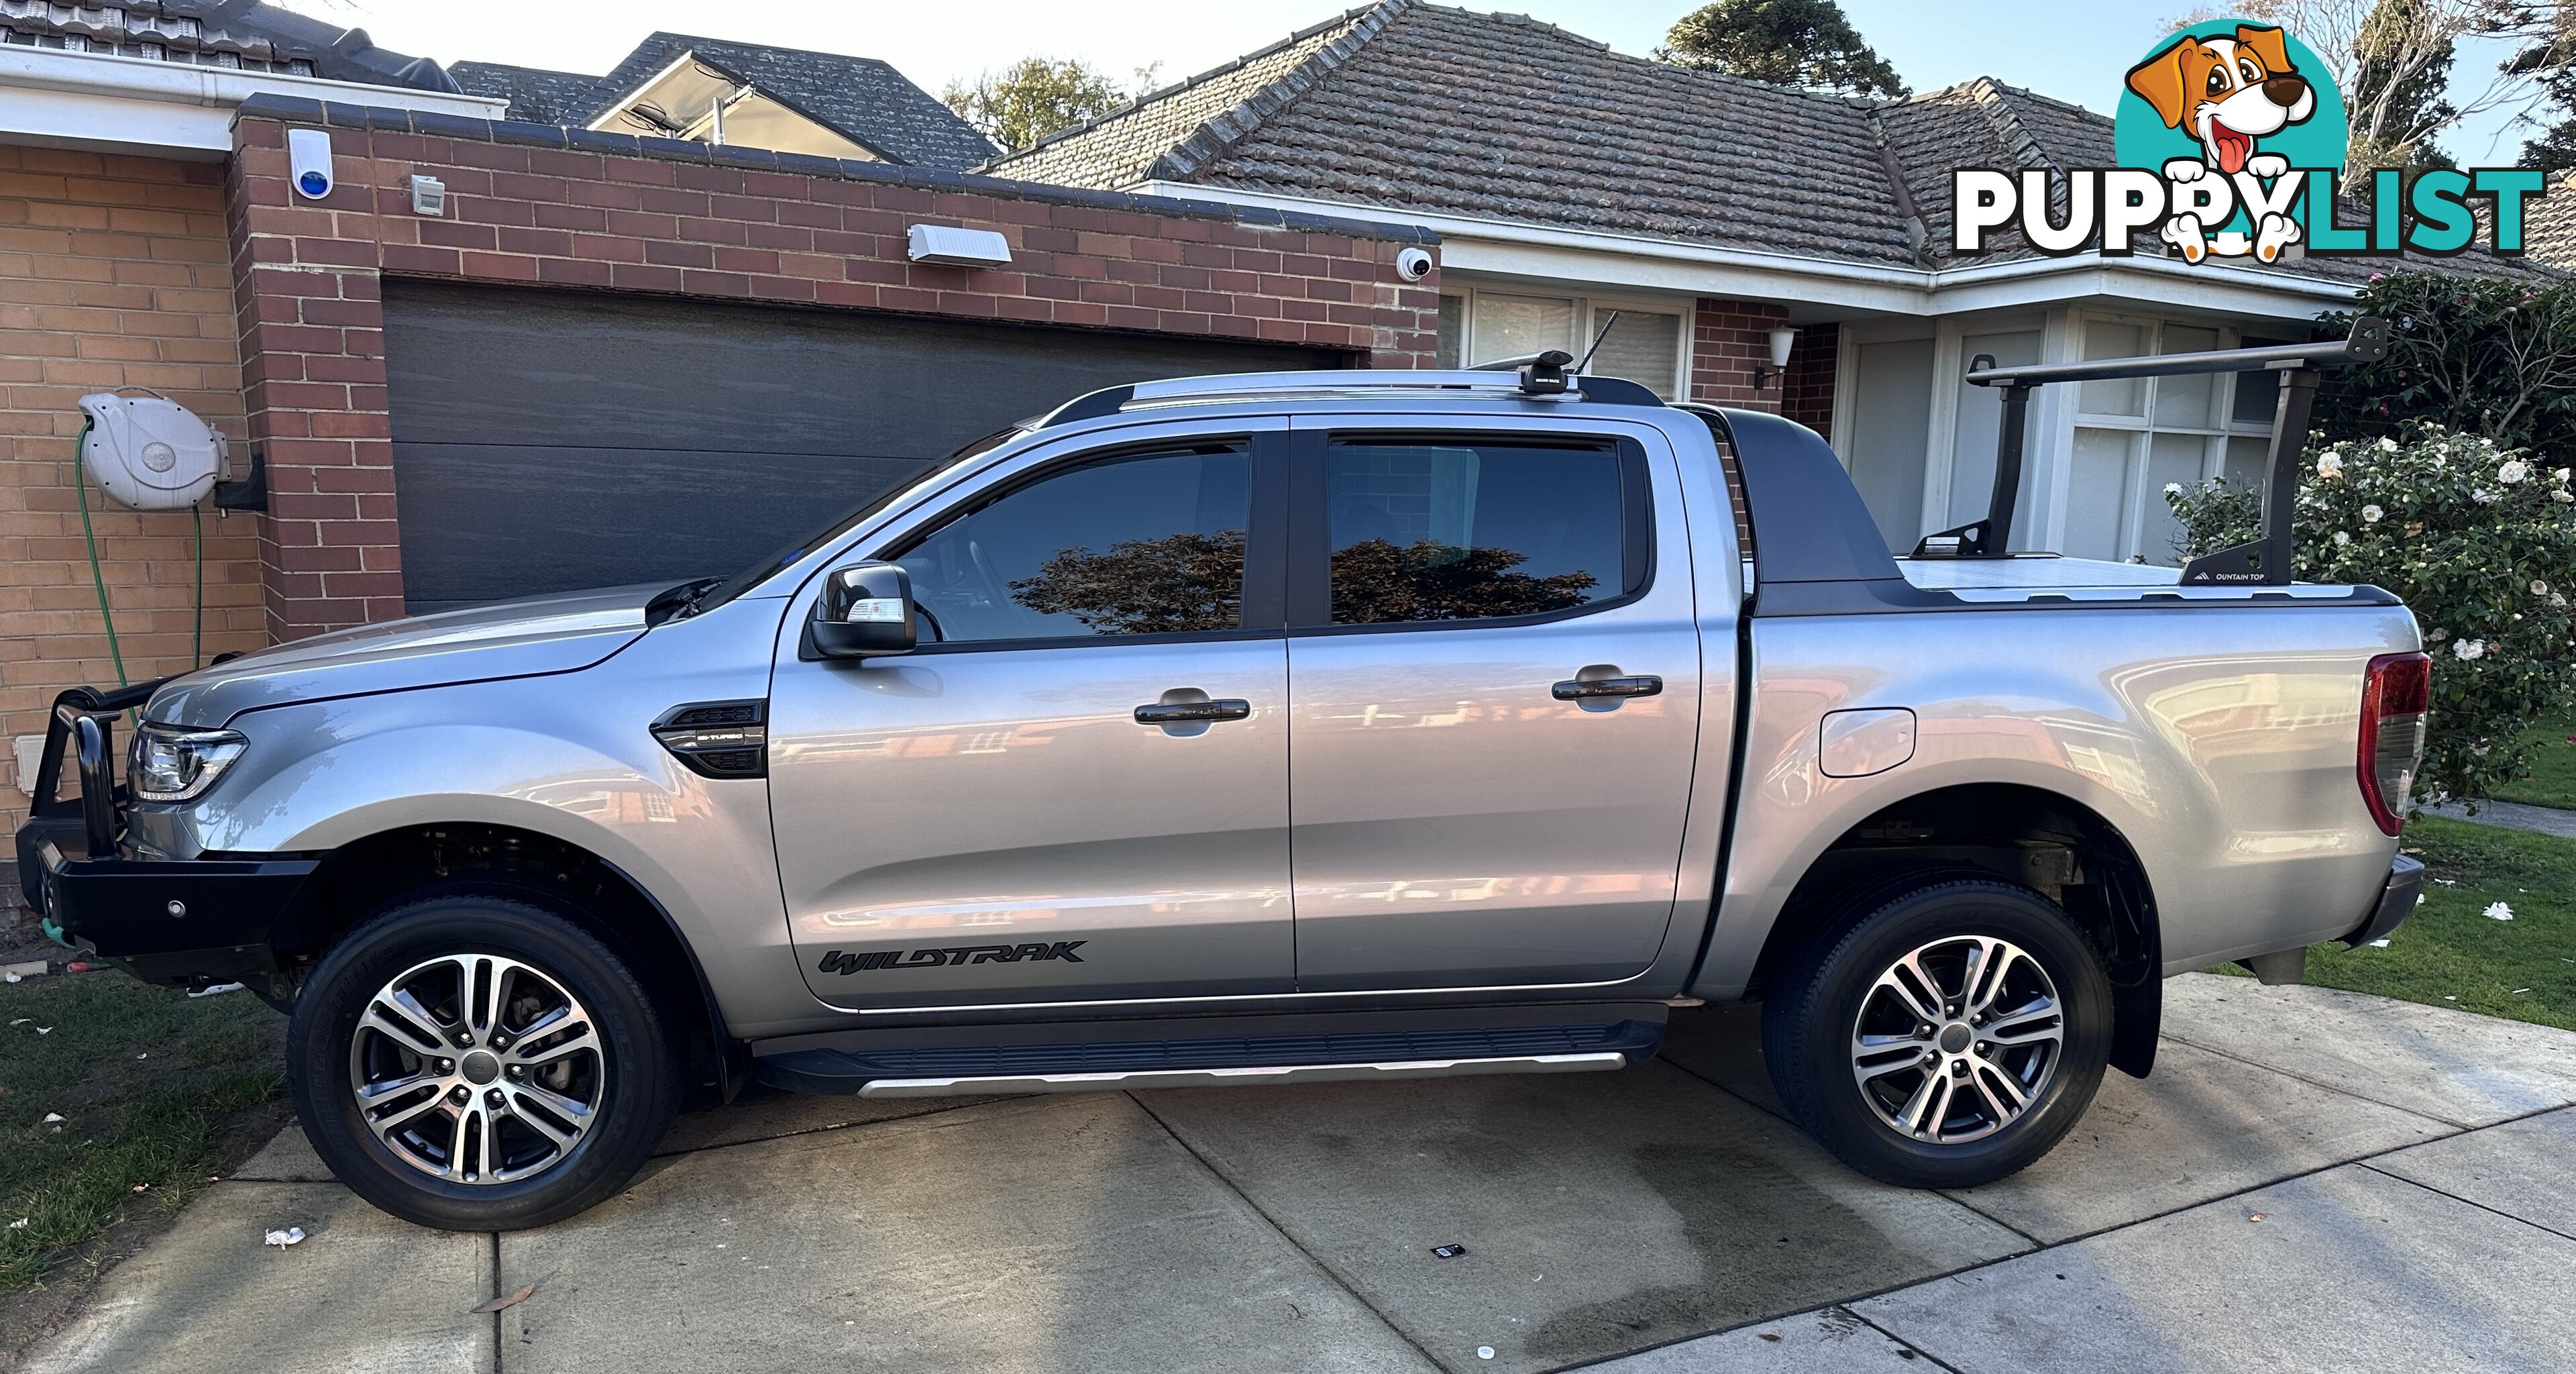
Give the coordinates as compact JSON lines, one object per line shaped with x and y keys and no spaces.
{"x":2396,"y":696}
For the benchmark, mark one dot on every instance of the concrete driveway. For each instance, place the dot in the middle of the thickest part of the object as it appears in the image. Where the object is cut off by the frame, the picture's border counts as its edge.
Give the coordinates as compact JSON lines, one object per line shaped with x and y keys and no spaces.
{"x":2312,"y":1179}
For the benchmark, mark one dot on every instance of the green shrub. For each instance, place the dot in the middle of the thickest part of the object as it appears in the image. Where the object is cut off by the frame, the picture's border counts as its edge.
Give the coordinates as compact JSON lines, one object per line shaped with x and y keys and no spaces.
{"x":2492,"y":358}
{"x":2481,"y":543}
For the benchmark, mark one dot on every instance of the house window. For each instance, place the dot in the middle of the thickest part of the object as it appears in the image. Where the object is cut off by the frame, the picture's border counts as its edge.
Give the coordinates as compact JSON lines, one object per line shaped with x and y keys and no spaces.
{"x":2134,"y":436}
{"x":1645,"y":343}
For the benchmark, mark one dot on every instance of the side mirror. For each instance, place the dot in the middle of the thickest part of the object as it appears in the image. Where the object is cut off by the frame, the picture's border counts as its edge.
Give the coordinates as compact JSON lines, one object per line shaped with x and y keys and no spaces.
{"x":866,"y":610}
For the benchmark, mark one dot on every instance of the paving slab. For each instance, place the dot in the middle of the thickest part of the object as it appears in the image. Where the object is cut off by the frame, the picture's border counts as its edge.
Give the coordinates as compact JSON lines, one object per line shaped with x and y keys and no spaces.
{"x":363,"y":1294}
{"x":2454,"y":1066}
{"x":286,"y":1158}
{"x":2201,"y":1126}
{"x":759,"y":1114}
{"x":2348,"y":1269}
{"x":767,"y":1113}
{"x":1600,"y":1212}
{"x":1044,"y":1234}
{"x":2524,"y":1169}
{"x":1832,"y":1341}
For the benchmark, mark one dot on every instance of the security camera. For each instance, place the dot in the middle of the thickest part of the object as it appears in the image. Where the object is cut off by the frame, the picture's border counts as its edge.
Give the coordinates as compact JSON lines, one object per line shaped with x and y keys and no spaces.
{"x":308,"y":156}
{"x":1413,"y":264}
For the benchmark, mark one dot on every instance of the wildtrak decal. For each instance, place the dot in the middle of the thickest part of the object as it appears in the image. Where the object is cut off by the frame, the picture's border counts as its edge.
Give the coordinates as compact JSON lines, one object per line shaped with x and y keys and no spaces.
{"x":843,"y":962}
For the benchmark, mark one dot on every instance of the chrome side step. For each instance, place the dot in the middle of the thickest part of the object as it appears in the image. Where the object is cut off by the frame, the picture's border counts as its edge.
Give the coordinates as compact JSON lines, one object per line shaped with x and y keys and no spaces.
{"x":1240,"y":1077}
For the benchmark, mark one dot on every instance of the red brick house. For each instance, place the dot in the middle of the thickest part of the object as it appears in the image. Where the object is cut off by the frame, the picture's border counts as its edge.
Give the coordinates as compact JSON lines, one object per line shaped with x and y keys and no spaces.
{"x":604,"y":357}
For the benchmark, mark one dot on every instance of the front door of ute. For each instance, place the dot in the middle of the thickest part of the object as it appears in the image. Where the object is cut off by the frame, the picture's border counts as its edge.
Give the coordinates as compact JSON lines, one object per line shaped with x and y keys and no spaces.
{"x":1495,"y":677}
{"x":1013,"y":813}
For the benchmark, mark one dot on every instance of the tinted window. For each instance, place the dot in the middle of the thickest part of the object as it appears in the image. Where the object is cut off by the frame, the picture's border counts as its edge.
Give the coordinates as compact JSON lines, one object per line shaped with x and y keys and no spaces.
{"x":1426,"y":532}
{"x":1151,"y":544}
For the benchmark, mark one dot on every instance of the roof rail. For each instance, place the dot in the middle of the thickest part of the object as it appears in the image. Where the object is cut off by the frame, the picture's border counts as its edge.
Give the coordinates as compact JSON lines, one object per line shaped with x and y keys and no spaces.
{"x":1348,"y":384}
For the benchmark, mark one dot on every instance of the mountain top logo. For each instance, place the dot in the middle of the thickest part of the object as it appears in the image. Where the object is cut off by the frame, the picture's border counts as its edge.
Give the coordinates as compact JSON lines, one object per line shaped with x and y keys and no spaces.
{"x":2230,"y":138}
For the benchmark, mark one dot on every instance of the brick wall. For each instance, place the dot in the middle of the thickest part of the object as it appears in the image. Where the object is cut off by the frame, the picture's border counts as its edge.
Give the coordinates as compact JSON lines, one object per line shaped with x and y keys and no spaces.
{"x":534,"y":205}
{"x":1727,"y":339}
{"x":1807,"y":392}
{"x":113,"y":273}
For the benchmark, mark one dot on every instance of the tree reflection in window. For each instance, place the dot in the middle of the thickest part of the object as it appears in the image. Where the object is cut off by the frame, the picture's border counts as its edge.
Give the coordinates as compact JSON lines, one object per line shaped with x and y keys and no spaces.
{"x":1429,"y":531}
{"x":1172,"y":585}
{"x":1377,"y":583}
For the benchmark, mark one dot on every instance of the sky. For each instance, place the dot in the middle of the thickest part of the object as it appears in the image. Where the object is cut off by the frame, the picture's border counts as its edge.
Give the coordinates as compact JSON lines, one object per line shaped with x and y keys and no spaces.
{"x":2075,"y":50}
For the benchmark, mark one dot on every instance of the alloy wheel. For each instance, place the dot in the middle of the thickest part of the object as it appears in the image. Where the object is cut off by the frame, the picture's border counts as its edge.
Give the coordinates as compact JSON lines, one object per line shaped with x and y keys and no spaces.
{"x":478,"y":1069}
{"x":1958,"y":1039}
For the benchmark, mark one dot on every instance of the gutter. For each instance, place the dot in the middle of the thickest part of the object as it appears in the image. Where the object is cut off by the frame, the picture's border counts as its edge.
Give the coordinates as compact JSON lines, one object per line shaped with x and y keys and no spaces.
{"x":182,"y":83}
{"x":1919,"y":285}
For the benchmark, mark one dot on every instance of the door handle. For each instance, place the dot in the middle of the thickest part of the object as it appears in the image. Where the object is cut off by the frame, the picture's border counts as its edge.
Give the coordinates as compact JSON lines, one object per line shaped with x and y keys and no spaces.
{"x":1593,"y":689}
{"x":1192,"y":712}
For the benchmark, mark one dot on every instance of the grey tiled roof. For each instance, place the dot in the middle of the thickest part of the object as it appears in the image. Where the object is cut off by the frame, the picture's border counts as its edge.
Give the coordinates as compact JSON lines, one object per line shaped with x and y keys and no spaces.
{"x":536,"y":95}
{"x":858,"y":97}
{"x":238,"y":34}
{"x":1122,"y":147}
{"x":1447,"y":111}
{"x":1411,"y":106}
{"x":2549,"y":224}
{"x":1422,"y":107}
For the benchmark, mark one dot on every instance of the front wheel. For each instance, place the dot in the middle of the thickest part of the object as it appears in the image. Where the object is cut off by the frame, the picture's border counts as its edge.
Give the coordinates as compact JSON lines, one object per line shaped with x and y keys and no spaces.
{"x":474,"y":1062}
{"x":1950,"y":1038}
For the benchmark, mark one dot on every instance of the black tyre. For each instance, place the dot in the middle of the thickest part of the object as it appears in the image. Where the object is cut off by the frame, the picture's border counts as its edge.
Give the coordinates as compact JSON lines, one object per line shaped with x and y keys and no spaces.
{"x":477,"y":1063}
{"x":1952,"y":1036}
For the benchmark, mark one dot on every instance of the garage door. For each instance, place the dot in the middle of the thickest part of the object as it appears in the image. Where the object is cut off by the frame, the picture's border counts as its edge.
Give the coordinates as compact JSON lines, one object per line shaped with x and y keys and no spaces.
{"x":547,"y":441}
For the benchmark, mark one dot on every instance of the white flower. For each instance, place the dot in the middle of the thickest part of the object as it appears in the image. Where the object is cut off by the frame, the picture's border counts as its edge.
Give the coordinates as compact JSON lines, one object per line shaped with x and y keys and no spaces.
{"x":2329,"y":463}
{"x":2562,"y":497}
{"x":2561,"y":475}
{"x":2558,"y":601}
{"x":2173,"y":488}
{"x":2498,"y":911}
{"x":2342,"y":538}
{"x":2387,"y":445}
{"x":2469,"y":648}
{"x":2370,"y":514}
{"x":2539,"y":588}
{"x":2482,"y":496}
{"x":2513,"y":471}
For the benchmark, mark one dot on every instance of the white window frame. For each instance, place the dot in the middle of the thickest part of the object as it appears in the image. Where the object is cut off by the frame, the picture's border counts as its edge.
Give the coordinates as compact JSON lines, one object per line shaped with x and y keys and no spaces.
{"x":2142,"y":428}
{"x":1590,"y":310}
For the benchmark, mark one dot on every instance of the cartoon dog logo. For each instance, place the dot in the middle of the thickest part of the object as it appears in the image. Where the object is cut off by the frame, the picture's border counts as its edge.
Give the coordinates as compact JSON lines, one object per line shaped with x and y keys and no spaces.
{"x":2226,"y":93}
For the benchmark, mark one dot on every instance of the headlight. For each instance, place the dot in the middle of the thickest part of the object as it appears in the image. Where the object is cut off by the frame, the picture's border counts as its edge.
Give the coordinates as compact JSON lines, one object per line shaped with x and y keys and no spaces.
{"x":170,"y":764}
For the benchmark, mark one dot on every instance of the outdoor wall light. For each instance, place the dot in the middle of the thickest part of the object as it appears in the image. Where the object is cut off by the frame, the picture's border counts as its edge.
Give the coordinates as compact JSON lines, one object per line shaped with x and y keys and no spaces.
{"x":1781,"y":339}
{"x":956,"y":247}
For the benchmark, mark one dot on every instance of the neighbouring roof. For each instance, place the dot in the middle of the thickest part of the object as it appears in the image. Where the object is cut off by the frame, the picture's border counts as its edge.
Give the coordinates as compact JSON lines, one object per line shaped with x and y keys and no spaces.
{"x":860,"y":98}
{"x":1407,"y":105}
{"x":242,"y":35}
{"x":536,"y":95}
{"x":2549,"y":224}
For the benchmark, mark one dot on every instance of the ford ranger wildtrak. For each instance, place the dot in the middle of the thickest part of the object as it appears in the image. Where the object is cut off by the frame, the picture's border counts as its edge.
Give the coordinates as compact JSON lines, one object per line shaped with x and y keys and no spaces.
{"x":1266,"y":729}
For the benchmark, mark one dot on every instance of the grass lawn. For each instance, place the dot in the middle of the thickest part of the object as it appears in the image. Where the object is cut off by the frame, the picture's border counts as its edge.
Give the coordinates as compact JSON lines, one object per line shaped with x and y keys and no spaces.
{"x":2553,"y":769}
{"x":156,"y":1092}
{"x":2449,"y":954}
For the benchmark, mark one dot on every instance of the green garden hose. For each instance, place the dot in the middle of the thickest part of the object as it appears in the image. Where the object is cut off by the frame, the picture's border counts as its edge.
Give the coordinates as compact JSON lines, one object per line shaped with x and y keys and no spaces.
{"x":97,"y":577}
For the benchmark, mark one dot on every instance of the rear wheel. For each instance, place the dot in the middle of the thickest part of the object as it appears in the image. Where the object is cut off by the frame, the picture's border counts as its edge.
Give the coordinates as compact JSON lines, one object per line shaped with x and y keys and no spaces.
{"x":1949,"y":1038}
{"x":475,"y":1062}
